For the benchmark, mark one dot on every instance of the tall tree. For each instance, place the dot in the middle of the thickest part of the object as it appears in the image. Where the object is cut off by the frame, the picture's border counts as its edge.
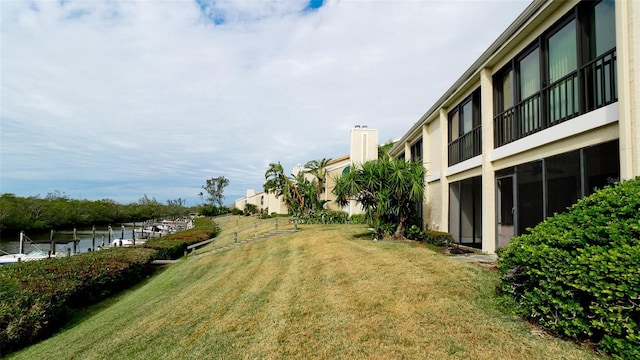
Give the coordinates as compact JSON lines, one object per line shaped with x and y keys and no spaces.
{"x":316,"y":168}
{"x":215,"y":188}
{"x":383,"y":150}
{"x":387,"y":189}
{"x":278,"y":183}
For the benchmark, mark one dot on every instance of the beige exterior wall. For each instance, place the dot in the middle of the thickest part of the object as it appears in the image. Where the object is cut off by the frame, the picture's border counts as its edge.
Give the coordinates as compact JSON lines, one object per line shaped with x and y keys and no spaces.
{"x":364,"y":145}
{"x":619,"y":120}
{"x":263,"y":201}
{"x":628,"y":40}
{"x":333,"y":170}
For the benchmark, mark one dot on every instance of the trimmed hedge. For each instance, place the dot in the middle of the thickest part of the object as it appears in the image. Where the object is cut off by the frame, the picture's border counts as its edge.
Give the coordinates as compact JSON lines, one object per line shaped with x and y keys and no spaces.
{"x":578,"y":273}
{"x":37,"y":297}
{"x":174,"y":245}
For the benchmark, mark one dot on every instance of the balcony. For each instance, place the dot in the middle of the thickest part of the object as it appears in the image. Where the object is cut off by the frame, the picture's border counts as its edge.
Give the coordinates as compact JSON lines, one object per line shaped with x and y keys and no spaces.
{"x":592,"y":86}
{"x":466,"y":146}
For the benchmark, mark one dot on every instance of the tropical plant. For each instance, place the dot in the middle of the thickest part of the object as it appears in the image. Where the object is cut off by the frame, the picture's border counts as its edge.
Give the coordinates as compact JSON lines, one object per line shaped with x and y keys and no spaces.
{"x":387,"y":189}
{"x":250,"y":209}
{"x":278,"y":183}
{"x":317,"y":169}
{"x":383,"y":150}
{"x":310,"y":192}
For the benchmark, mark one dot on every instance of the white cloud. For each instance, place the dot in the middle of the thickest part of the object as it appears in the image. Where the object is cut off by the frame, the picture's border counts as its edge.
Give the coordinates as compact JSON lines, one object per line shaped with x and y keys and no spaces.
{"x":156,"y":97}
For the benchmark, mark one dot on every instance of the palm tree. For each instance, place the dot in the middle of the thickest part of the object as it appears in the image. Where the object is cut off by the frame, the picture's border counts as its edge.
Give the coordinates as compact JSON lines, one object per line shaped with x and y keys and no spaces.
{"x":383,"y":150}
{"x":281,"y":185}
{"x":317,"y":169}
{"x":387,"y":189}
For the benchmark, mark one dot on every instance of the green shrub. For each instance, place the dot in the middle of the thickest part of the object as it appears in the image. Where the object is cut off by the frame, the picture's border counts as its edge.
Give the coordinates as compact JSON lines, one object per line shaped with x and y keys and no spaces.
{"x":577,"y":273}
{"x":323,"y":216}
{"x":438,"y":238}
{"x":414,"y":233}
{"x":37,"y":297}
{"x":174,"y":245}
{"x":358,"y":219}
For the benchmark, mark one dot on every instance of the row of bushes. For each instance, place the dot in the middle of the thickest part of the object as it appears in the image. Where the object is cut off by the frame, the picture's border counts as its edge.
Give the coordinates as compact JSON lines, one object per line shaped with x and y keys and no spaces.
{"x":323,"y":216}
{"x":37,"y":297}
{"x":577,"y":273}
{"x":174,"y":245}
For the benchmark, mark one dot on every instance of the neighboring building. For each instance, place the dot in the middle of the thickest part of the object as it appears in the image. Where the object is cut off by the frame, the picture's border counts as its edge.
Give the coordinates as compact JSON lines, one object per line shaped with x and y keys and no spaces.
{"x":547,"y":114}
{"x":263,"y":201}
{"x":363,"y":147}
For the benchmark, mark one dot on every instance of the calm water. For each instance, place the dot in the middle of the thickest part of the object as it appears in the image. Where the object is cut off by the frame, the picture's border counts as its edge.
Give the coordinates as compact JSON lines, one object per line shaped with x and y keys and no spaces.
{"x":10,"y":242}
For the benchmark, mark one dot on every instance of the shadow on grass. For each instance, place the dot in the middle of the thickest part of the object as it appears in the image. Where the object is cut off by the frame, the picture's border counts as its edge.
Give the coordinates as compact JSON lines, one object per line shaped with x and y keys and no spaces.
{"x":366,"y":235}
{"x":85,"y":313}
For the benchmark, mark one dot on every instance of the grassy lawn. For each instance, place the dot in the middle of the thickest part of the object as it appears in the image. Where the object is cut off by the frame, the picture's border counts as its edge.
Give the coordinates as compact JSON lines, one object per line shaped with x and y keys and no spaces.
{"x":324,"y":292}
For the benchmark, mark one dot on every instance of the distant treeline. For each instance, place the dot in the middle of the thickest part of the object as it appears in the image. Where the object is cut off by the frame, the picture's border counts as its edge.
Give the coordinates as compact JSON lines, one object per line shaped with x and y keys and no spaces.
{"x":57,"y":210}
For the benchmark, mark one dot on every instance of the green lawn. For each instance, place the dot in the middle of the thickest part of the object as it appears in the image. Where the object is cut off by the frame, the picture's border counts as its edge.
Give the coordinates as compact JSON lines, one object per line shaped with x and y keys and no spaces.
{"x":324,"y":292}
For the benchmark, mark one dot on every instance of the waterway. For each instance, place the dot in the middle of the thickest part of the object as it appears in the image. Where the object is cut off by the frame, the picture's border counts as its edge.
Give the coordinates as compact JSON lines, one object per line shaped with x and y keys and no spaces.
{"x":10,"y":242}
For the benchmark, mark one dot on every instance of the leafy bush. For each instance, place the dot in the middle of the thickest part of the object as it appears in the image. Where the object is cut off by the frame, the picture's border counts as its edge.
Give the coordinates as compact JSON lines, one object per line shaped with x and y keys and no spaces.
{"x":174,"y":245}
{"x":577,"y":272}
{"x":37,"y":297}
{"x":414,"y":233}
{"x":437,"y":238}
{"x":323,"y":216}
{"x":358,"y":219}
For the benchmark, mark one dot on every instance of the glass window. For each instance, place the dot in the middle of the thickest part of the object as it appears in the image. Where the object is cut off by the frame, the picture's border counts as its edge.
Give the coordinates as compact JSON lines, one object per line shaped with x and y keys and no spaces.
{"x":530,"y":74}
{"x":506,"y":93}
{"x":416,"y":150}
{"x":562,"y":54}
{"x":562,"y":173}
{"x":562,"y":61}
{"x":530,"y":199}
{"x":453,"y":125}
{"x":603,"y":28}
{"x":602,"y":166}
{"x":467,"y":117}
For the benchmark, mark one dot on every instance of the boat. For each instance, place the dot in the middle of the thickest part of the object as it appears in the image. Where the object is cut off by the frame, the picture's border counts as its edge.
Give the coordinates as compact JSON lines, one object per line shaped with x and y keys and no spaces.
{"x":154,"y":230}
{"x":36,"y":254}
{"x":127,"y":242}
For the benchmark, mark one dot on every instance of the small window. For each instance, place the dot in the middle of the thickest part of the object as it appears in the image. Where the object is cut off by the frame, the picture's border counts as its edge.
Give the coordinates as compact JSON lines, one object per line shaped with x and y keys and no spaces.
{"x":602,"y":33}
{"x":530,"y":74}
{"x":416,"y":150}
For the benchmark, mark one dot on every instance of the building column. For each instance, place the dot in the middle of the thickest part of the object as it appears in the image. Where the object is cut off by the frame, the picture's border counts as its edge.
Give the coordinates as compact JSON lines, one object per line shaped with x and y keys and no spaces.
{"x":444,"y":161}
{"x":488,"y":172}
{"x":426,"y":214}
{"x":628,"y":57}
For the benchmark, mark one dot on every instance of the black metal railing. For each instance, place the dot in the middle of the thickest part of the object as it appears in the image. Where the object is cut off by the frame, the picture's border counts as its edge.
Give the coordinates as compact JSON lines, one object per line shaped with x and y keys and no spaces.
{"x":600,"y":81}
{"x":466,"y":146}
{"x":593,"y":86}
{"x":562,"y":99}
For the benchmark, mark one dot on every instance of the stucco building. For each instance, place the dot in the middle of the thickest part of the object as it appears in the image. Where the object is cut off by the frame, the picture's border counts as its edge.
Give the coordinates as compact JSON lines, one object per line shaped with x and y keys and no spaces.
{"x":547,"y":114}
{"x":363,"y":148}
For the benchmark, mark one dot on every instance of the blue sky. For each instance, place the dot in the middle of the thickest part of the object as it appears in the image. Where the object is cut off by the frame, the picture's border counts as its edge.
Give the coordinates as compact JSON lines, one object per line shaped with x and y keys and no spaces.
{"x":118,"y":99}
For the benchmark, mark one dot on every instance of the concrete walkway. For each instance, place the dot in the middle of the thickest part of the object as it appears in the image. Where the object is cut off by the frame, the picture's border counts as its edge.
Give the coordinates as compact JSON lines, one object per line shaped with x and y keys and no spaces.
{"x":475,"y":258}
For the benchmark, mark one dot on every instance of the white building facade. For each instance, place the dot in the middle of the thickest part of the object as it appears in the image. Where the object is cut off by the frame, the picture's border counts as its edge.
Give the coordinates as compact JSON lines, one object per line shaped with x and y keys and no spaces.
{"x":545,"y":116}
